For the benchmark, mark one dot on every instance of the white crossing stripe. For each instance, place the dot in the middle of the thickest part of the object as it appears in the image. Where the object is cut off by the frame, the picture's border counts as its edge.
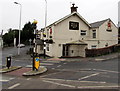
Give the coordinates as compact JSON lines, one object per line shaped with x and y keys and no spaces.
{"x":29,"y":78}
{"x":4,"y":80}
{"x":51,"y":61}
{"x":58,"y":65}
{"x":45,"y":64}
{"x":88,"y":76}
{"x":15,"y":85}
{"x":67,"y":85}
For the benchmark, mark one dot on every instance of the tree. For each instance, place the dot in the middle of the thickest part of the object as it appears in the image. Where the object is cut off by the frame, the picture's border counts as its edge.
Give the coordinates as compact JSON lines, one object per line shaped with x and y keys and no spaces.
{"x":8,"y":38}
{"x":27,"y":32}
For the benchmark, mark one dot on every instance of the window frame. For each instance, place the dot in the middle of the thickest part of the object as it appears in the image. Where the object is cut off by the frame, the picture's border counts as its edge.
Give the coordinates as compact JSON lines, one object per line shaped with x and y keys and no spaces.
{"x":93,"y":46}
{"x":71,"y":25}
{"x":47,"y":47}
{"x":83,"y":32}
{"x":94,"y":34}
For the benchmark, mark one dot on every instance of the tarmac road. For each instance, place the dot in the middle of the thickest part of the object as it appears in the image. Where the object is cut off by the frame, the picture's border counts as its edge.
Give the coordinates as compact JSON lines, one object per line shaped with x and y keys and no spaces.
{"x":69,"y":75}
{"x":64,"y":74}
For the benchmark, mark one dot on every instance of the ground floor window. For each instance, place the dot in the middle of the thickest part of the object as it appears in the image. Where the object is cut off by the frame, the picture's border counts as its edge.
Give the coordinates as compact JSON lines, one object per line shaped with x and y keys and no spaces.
{"x":41,"y":47}
{"x":94,"y":46}
{"x":47,"y":47}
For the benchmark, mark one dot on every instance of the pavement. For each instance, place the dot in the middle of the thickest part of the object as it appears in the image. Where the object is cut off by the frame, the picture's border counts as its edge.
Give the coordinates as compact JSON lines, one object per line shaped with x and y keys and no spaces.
{"x":23,"y":71}
{"x":98,"y":58}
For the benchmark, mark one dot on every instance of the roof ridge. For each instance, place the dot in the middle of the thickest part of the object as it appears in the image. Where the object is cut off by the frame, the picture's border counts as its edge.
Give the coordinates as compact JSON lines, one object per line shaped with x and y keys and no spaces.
{"x":100,"y":21}
{"x":67,"y":16}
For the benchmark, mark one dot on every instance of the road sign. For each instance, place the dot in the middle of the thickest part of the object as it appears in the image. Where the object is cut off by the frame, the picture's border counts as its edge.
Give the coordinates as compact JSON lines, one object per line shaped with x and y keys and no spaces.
{"x":37,"y":62}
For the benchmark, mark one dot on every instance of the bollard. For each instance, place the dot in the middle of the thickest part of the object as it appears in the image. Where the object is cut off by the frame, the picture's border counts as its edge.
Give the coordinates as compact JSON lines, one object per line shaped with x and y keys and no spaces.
{"x":8,"y":62}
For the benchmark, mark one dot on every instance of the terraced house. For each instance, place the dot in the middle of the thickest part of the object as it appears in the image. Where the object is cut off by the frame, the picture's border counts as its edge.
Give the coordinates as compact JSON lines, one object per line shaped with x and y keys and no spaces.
{"x":72,"y":34}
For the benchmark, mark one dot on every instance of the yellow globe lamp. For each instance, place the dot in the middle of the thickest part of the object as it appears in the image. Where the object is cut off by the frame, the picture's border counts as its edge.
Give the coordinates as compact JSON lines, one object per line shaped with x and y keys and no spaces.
{"x":35,"y":22}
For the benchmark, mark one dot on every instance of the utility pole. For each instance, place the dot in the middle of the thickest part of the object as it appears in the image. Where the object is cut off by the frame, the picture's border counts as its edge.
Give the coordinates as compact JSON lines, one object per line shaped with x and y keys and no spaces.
{"x":19,"y":26}
{"x":45,"y":29}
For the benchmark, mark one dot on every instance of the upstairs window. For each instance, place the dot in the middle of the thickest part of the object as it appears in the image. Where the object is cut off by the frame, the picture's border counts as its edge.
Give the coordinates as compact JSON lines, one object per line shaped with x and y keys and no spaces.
{"x":83,"y":32}
{"x":94,"y":33}
{"x":109,"y":30}
{"x":73,"y":25}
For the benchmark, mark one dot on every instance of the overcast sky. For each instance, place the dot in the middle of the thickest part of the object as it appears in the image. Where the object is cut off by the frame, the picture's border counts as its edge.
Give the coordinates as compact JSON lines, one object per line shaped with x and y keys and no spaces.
{"x":90,"y":10}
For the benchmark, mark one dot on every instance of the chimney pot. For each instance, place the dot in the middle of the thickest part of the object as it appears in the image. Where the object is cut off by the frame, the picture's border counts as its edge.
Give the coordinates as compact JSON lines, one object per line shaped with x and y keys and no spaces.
{"x":73,"y":9}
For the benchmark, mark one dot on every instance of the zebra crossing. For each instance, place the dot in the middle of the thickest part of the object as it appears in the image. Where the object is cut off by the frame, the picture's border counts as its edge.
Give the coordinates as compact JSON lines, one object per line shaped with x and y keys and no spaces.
{"x":46,"y":63}
{"x":5,"y":79}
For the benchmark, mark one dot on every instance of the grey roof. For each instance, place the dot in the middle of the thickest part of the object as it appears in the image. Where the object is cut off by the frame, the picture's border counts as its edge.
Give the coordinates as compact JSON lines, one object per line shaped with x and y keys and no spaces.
{"x":78,"y":42}
{"x":97,"y":24}
{"x":39,"y":42}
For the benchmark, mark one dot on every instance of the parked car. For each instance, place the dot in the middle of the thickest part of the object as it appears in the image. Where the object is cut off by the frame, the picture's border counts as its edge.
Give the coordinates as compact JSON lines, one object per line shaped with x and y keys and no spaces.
{"x":20,"y":45}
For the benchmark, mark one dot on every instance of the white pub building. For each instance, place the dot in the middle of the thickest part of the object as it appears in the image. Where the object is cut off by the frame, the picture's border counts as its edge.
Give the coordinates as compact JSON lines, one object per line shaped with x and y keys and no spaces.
{"x":72,"y":34}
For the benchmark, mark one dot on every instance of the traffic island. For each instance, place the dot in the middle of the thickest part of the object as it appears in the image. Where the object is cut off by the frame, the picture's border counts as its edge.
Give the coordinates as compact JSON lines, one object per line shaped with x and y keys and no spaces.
{"x":41,"y":70}
{"x":12,"y":68}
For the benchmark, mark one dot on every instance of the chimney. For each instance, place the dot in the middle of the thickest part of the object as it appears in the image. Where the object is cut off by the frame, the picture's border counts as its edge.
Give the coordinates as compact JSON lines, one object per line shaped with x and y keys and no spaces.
{"x":73,"y":9}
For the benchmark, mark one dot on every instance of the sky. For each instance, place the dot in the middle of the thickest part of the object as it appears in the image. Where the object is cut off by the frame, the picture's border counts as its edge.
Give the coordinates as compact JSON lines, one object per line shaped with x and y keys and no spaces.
{"x":90,"y":10}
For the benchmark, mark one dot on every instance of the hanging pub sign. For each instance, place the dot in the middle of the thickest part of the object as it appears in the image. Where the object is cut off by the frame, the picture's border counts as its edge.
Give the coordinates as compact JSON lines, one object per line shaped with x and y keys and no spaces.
{"x":109,"y":27}
{"x":50,"y":31}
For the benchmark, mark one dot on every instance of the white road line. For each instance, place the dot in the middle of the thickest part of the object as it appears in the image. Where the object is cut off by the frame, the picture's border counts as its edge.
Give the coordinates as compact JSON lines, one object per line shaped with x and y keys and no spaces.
{"x":50,"y":74}
{"x":73,"y":80}
{"x":12,"y":78}
{"x":98,"y":87}
{"x":51,"y":61}
{"x":17,"y":60}
{"x":45,"y":64}
{"x":53,"y":68}
{"x":29,"y":78}
{"x":93,"y":82}
{"x":64,"y":63}
{"x":88,"y":76}
{"x":106,"y":70}
{"x":58,"y":65}
{"x":4,"y":80}
{"x":15,"y":85}
{"x":59,"y":84}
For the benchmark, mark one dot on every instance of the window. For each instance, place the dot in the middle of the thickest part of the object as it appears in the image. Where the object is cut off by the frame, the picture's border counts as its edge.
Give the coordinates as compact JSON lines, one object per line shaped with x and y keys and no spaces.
{"x":94,"y":33}
{"x":73,"y":25}
{"x":83,"y":32}
{"x":47,"y":47}
{"x":41,"y":47}
{"x":93,"y":46}
{"x":109,"y":30}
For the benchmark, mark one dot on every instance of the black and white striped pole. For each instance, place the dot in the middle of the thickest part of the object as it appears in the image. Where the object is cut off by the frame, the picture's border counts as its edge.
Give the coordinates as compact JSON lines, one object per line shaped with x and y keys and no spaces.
{"x":44,"y":48}
{"x":34,"y":41}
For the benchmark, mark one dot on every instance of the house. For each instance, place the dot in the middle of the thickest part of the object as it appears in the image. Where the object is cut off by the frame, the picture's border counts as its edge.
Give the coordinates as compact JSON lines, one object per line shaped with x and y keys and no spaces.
{"x":71,"y":35}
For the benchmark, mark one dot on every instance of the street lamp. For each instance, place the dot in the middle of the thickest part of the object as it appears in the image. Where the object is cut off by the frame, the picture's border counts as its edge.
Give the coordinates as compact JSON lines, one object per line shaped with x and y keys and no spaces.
{"x":19,"y":26}
{"x":45,"y":28}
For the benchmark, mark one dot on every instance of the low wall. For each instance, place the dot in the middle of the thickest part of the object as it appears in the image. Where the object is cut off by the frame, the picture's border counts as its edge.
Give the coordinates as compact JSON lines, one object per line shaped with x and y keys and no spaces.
{"x":102,"y":51}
